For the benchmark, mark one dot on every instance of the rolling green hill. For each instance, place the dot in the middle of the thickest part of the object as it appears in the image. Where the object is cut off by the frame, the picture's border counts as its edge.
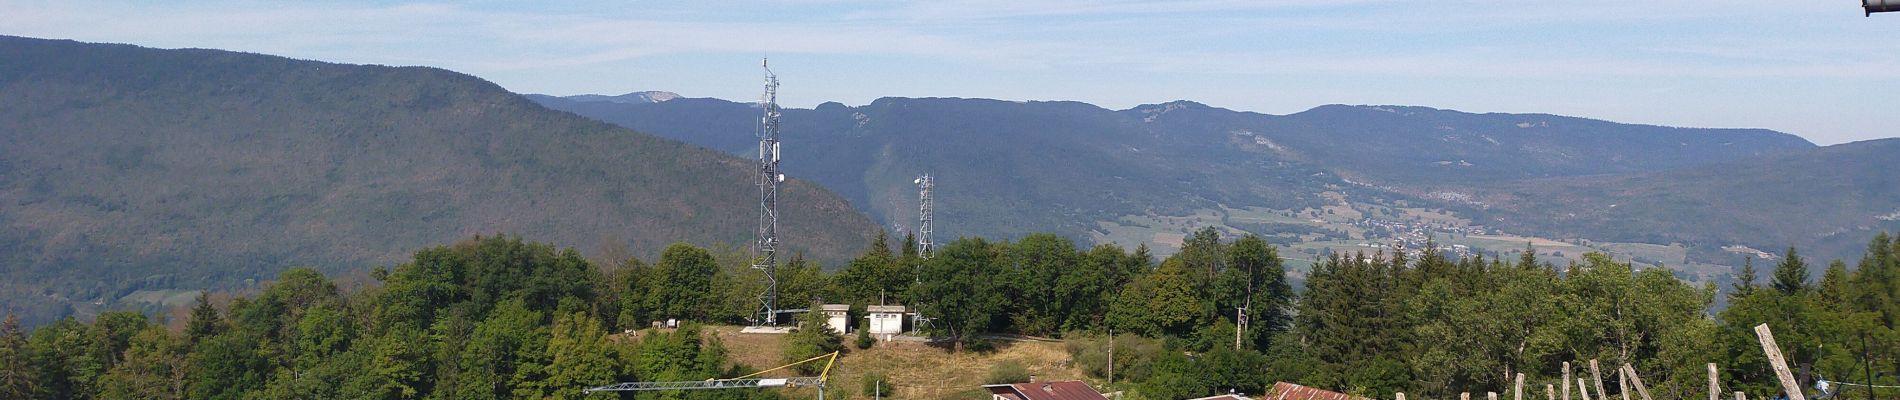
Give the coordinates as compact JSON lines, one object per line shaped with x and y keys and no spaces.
{"x":131,"y":169}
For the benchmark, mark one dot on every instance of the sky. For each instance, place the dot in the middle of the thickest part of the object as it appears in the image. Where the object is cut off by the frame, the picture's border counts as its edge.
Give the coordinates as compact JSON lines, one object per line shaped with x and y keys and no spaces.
{"x":1815,"y":68}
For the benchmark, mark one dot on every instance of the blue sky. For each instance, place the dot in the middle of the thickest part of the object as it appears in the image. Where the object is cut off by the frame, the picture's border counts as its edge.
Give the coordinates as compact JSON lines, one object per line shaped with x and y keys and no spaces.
{"x":1815,"y":68}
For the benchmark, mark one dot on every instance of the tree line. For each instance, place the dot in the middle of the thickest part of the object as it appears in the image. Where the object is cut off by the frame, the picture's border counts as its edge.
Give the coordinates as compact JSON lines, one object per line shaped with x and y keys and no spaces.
{"x":499,"y":317}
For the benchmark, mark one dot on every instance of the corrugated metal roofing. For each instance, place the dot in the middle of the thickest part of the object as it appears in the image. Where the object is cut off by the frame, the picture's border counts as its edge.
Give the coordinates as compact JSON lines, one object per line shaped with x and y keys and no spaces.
{"x":1054,"y":390}
{"x":1288,"y":391}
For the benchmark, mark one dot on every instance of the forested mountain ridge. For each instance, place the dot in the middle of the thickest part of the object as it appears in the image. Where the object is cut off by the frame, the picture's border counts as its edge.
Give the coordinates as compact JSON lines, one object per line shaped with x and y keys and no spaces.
{"x":1821,"y":200}
{"x":129,"y":169}
{"x":1154,"y":172}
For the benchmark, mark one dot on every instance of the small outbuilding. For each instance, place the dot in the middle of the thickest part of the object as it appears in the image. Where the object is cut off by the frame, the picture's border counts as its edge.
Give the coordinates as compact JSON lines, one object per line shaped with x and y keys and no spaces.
{"x":838,"y":316}
{"x":885,"y":321}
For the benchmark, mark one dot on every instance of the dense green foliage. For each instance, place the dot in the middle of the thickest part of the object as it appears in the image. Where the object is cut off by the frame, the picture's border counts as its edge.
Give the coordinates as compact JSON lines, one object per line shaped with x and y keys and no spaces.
{"x":134,"y":177}
{"x":486,"y":318}
{"x":496,"y":317}
{"x":1434,"y":327}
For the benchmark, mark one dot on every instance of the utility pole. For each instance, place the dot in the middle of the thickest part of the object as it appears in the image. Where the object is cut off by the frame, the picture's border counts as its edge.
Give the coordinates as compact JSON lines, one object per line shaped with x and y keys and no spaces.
{"x":1240,"y":316}
{"x":1868,"y":363}
{"x":765,"y":251}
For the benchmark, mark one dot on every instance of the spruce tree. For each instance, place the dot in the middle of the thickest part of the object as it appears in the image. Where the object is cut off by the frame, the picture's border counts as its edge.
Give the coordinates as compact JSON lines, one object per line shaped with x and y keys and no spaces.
{"x":1745,"y":281}
{"x":1791,"y":275}
{"x":205,"y":321}
{"x":16,"y":365}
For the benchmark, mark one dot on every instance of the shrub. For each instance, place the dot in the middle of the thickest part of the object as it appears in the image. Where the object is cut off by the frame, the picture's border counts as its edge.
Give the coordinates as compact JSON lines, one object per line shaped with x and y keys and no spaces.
{"x":1007,"y":372}
{"x":877,"y":385}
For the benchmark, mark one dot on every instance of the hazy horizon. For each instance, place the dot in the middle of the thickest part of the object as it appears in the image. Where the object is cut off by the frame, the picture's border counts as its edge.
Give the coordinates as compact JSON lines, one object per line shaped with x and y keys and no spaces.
{"x":1806,"y":68}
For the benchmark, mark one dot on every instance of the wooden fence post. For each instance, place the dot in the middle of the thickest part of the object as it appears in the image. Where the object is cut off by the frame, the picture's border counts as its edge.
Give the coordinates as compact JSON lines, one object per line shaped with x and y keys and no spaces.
{"x":1623,"y":383}
{"x":1518,"y":393}
{"x":1788,"y":385}
{"x":1566,"y":382}
{"x":1399,"y":396}
{"x":1597,"y":373}
{"x":1715,"y":389}
{"x":1641,"y":389}
{"x":1583,"y":391}
{"x":1550,"y":391}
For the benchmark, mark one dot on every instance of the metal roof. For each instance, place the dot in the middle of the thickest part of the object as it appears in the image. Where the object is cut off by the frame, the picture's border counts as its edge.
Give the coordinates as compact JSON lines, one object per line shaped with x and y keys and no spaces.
{"x":1053,"y":390}
{"x":1289,"y":391}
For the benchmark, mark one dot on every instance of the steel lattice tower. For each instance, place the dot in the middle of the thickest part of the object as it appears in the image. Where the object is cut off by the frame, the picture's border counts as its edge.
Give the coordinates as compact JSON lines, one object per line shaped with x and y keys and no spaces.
{"x":923,"y":215}
{"x":765,"y":252}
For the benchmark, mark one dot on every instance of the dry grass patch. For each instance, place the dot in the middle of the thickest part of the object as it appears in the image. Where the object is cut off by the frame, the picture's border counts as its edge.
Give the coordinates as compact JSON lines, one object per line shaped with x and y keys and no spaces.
{"x":919,"y":371}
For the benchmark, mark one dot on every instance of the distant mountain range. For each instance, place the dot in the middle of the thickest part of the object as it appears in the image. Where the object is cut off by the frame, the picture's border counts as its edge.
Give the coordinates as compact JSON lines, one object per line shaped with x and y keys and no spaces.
{"x":1008,"y":168}
{"x":131,"y":170}
{"x":1828,"y":201}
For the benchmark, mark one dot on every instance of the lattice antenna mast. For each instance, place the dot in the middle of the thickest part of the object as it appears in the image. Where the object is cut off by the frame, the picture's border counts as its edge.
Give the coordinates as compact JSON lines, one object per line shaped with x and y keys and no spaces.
{"x":923,"y":215}
{"x":765,"y":252}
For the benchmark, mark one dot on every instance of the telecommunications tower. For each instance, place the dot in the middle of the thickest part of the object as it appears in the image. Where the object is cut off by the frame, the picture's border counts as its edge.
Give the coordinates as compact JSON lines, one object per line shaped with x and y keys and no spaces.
{"x":923,"y":215}
{"x":765,"y":252}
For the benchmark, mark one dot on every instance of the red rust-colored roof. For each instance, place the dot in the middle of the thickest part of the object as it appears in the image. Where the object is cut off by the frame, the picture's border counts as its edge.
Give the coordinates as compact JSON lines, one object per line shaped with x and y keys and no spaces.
{"x":1054,"y":390}
{"x":1288,"y":391}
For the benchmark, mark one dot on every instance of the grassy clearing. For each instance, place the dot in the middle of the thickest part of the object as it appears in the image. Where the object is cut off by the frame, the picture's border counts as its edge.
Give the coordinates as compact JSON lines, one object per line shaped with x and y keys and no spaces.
{"x":920,"y":371}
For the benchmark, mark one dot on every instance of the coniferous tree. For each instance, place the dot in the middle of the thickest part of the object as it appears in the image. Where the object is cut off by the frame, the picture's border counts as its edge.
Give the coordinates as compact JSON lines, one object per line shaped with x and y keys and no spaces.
{"x":1833,"y":288}
{"x":909,"y":246}
{"x":1744,"y":281}
{"x":205,"y":320}
{"x":813,"y":337}
{"x":1791,"y":275}
{"x":17,"y":380}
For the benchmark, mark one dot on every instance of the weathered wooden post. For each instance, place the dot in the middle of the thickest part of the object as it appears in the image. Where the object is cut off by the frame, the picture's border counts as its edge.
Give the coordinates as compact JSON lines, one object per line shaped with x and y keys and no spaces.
{"x":1464,"y":395}
{"x":1641,"y":389}
{"x":1597,"y":373}
{"x":1518,"y":390}
{"x":1566,"y":382}
{"x":1740,"y":396}
{"x":1399,"y":396}
{"x":1623,"y":383}
{"x":1715,"y":389}
{"x":1788,"y":385}
{"x":1583,"y":391}
{"x":1550,"y":391}
{"x":1490,"y":395}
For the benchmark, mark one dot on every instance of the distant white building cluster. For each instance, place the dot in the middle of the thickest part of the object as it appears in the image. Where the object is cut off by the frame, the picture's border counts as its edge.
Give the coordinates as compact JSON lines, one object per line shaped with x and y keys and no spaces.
{"x":1413,"y":237}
